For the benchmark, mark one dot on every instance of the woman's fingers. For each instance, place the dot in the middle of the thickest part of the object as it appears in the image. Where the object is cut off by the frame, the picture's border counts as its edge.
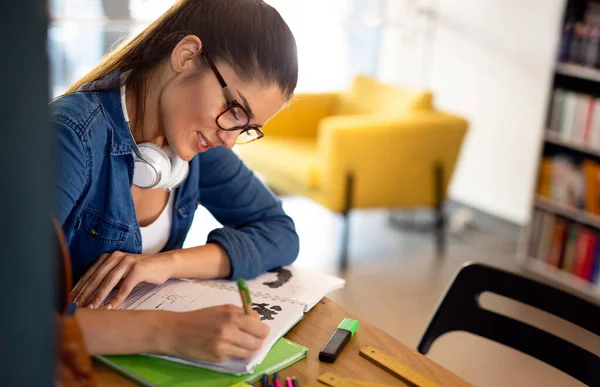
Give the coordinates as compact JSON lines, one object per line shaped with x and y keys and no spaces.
{"x":83,"y":280}
{"x":246,"y":341}
{"x":97,"y":277}
{"x":109,"y":282}
{"x":253,"y":326}
{"x":132,"y":278}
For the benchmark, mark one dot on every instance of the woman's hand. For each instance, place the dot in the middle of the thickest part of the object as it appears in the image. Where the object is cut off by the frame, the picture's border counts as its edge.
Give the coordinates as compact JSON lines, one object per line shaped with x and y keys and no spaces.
{"x":215,"y":334}
{"x":122,"y":270}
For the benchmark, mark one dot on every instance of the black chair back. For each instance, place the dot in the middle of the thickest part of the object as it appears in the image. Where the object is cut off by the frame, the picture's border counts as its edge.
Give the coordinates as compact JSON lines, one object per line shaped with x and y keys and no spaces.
{"x":459,"y":310}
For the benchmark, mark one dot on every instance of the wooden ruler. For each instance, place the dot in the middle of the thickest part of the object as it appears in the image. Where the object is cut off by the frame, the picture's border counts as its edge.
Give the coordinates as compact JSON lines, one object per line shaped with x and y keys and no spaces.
{"x":396,"y":368}
{"x":338,"y":381}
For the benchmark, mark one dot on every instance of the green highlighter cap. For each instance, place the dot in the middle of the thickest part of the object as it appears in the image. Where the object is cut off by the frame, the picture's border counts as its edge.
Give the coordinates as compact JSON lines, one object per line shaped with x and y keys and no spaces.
{"x":349,"y":325}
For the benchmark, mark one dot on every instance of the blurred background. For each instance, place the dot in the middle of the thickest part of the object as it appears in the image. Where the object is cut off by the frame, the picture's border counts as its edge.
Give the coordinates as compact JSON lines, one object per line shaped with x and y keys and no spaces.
{"x":468,"y":135}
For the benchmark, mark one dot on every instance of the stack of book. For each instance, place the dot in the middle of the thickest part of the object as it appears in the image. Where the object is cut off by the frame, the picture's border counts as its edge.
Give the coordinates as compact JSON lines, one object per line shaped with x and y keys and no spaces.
{"x":566,"y":245}
{"x":569,"y":182}
{"x":575,"y":118}
{"x":580,"y":37}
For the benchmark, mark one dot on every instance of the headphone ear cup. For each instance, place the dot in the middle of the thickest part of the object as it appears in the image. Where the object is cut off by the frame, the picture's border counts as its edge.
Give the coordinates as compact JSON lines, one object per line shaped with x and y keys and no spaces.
{"x":179,"y":170}
{"x":147,"y":176}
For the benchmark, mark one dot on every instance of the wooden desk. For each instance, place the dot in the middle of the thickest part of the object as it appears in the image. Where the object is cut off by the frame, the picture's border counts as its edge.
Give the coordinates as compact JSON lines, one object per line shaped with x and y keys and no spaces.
{"x":313,"y":331}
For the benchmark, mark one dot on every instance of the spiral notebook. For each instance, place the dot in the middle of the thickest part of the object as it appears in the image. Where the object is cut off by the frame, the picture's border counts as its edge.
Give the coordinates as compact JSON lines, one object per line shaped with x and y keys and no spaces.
{"x":280,"y":297}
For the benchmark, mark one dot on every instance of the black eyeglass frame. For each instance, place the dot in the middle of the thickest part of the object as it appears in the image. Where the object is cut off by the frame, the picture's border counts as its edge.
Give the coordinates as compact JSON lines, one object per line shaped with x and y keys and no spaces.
{"x":231,"y":104}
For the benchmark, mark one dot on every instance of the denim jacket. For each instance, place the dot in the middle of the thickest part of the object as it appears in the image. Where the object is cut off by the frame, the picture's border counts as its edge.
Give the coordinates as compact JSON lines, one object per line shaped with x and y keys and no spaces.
{"x":94,"y":174}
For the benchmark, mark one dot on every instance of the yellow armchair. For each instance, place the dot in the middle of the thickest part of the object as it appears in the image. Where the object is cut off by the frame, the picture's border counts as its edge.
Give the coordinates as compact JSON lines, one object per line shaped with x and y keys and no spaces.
{"x":372,"y":146}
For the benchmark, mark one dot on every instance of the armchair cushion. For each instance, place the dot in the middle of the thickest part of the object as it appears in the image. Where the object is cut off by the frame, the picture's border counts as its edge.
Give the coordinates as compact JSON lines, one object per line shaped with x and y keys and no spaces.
{"x":289,"y":164}
{"x":369,"y":96}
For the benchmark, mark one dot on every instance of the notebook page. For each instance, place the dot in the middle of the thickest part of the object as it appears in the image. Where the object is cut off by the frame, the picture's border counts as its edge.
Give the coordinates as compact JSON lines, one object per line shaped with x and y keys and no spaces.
{"x":182,"y":296}
{"x":290,"y":283}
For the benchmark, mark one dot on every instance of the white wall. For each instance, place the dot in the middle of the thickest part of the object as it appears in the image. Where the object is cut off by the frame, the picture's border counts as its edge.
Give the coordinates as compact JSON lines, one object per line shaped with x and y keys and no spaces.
{"x":493,"y":62}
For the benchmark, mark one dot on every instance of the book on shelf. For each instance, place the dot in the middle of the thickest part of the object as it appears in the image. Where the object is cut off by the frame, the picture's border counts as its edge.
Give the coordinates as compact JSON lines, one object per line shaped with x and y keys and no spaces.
{"x":557,"y":242}
{"x":566,"y":245}
{"x":570,"y":182}
{"x":570,"y":249}
{"x":580,"y":37}
{"x":575,"y":118}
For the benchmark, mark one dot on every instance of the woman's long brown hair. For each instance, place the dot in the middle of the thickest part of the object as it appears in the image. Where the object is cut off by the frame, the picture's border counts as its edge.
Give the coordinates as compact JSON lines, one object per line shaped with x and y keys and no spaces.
{"x":248,"y":35}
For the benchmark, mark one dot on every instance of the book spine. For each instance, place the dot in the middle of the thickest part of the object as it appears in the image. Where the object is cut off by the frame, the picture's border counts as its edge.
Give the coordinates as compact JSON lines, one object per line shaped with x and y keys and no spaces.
{"x":596,"y":273}
{"x":536,"y":229}
{"x":546,"y":236}
{"x":557,"y":100}
{"x":556,"y":249}
{"x":583,"y":245}
{"x":579,"y":114}
{"x":587,"y":122}
{"x":568,"y":116}
{"x":595,"y":123}
{"x":587,"y":265}
{"x":545,"y":177}
{"x":570,"y":248}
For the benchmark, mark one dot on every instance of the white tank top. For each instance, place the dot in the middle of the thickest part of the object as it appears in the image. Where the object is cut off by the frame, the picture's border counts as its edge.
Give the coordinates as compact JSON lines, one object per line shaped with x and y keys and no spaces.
{"x":156,"y":235}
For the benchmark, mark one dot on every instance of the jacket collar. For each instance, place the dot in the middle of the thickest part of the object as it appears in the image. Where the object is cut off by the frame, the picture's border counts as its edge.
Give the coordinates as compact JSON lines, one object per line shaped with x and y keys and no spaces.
{"x":108,"y":93}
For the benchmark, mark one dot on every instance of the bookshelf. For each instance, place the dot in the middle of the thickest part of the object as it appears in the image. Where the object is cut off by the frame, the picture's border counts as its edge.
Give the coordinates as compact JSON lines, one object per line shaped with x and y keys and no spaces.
{"x":561,"y":242}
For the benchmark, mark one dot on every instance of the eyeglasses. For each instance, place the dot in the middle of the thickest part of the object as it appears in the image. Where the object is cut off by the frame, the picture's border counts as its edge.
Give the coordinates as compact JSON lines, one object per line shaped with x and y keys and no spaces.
{"x":235,"y":116}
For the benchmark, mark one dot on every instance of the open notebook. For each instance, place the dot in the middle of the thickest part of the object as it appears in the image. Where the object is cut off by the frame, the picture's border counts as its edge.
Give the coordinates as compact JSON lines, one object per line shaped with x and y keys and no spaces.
{"x":280,"y":297}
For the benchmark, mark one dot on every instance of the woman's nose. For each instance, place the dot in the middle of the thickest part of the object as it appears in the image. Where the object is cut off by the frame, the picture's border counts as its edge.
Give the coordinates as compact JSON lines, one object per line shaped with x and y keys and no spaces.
{"x":228,"y":137}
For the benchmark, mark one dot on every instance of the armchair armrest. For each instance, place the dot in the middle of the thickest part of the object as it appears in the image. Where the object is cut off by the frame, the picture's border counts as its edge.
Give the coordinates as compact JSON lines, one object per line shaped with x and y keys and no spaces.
{"x":301,"y":116}
{"x":391,"y":158}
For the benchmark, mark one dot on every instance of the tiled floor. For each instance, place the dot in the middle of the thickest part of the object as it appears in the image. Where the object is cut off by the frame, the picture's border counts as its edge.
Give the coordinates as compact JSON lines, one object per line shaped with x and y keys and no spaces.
{"x":395,"y":282}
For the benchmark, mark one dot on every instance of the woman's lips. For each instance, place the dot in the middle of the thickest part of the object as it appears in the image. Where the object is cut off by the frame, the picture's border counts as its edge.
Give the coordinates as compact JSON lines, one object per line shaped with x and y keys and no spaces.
{"x":202,"y":142}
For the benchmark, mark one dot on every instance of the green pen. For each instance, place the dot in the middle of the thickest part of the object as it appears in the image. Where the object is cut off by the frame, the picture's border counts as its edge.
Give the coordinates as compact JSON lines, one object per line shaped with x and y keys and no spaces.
{"x":245,"y":295}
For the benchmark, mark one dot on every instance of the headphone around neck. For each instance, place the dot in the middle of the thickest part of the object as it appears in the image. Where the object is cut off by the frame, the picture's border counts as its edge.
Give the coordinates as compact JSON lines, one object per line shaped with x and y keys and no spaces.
{"x":154,"y":167}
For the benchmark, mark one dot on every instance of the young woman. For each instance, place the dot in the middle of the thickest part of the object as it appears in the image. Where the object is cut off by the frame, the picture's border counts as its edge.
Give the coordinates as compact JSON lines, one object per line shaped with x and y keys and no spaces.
{"x":146,"y":136}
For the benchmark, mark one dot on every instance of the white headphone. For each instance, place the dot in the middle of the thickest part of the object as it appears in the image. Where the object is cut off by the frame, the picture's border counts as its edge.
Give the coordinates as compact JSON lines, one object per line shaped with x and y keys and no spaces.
{"x":154,"y":167}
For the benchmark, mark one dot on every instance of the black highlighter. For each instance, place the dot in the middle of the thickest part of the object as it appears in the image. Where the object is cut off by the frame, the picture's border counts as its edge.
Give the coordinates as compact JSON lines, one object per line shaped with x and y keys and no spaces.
{"x":338,"y":340}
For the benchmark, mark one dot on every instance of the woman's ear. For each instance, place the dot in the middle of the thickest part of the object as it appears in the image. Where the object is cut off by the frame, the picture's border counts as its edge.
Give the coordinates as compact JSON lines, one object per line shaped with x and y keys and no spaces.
{"x":184,"y":54}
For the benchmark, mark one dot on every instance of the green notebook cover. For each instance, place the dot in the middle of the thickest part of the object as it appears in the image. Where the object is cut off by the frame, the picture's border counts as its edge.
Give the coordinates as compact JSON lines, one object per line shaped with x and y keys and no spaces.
{"x":156,"y":372}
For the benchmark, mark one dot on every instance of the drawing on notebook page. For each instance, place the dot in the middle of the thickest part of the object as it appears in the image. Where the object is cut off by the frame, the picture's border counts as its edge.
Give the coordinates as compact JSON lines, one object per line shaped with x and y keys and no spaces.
{"x":283,"y":276}
{"x":293,"y":283}
{"x":266,"y":313}
{"x":170,"y":297}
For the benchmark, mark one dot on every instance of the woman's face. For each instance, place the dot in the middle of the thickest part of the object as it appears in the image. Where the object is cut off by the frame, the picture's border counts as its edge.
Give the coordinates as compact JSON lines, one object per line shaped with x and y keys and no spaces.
{"x":188,"y":108}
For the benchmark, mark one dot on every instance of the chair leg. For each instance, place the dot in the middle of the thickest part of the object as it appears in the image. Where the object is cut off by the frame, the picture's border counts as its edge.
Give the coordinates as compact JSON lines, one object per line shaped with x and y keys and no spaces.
{"x":345,"y":242}
{"x":440,"y":231}
{"x":346,"y":225}
{"x":440,"y":215}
